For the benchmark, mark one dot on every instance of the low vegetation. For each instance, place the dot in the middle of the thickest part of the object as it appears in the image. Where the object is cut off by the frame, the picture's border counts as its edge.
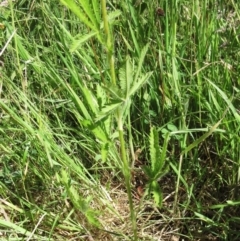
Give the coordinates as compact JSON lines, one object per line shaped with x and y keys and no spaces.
{"x":119,"y":120}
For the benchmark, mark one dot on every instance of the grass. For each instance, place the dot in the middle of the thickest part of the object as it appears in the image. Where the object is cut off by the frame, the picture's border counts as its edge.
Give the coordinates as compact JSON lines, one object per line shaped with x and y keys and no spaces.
{"x":118,"y":123}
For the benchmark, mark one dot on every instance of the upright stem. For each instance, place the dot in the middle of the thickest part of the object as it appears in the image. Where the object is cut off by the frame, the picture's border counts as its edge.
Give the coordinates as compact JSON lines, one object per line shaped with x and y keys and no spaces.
{"x":127,"y":175}
{"x":119,"y":115}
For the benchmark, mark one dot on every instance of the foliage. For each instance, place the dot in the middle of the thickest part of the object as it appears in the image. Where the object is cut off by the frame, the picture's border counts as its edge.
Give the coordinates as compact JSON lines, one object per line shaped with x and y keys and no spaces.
{"x":158,"y":166}
{"x":92,"y":93}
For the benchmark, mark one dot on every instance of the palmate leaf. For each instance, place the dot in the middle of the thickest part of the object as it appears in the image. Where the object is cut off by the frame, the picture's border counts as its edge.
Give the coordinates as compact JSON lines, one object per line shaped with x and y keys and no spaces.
{"x":138,"y":81}
{"x":83,"y":16}
{"x":90,"y":11}
{"x":81,"y":39}
{"x":108,"y":110}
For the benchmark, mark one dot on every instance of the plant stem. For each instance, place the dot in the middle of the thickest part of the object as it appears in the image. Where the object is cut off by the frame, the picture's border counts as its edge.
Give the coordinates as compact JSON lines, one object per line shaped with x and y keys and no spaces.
{"x":126,"y":172}
{"x":119,"y":115}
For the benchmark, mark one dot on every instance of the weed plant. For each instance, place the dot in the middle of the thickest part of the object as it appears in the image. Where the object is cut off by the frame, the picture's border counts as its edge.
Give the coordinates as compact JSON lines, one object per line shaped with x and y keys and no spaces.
{"x":119,"y":120}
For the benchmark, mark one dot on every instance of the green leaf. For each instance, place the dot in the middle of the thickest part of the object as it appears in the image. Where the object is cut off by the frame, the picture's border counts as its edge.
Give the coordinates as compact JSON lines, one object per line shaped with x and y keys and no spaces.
{"x":226,"y":99}
{"x":89,"y":11}
{"x":126,"y":77}
{"x":135,"y":41}
{"x":147,"y":170}
{"x":8,"y":225}
{"x":157,"y":157}
{"x":113,"y":15}
{"x":157,"y":193}
{"x":104,"y":151}
{"x":201,"y":138}
{"x":227,"y":204}
{"x":101,"y":96}
{"x":172,"y":127}
{"x":99,"y":133}
{"x":137,"y":85}
{"x":114,"y":92}
{"x":80,"y":40}
{"x":163,"y":153}
{"x":129,"y":76}
{"x":154,"y":150}
{"x":140,"y":62}
{"x":108,"y":110}
{"x":102,"y":101}
{"x":204,"y":218}
{"x":80,"y":14}
{"x":122,"y":78}
{"x":92,"y":218}
{"x":96,"y":9}
{"x":80,"y":203}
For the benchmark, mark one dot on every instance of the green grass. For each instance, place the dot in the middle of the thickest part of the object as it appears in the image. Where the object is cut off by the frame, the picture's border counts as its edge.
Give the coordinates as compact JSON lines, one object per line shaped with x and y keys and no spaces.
{"x":117,"y":123}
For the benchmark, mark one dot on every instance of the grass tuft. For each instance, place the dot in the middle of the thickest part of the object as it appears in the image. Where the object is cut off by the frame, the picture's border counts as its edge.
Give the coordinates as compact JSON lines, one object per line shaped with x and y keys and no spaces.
{"x":119,"y":120}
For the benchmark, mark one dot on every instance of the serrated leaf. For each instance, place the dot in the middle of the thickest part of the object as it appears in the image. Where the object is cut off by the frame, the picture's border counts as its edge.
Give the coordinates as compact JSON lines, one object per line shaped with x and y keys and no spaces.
{"x":101,"y":96}
{"x":89,"y":11}
{"x":122,"y":78}
{"x":99,"y":133}
{"x":91,"y":99}
{"x":104,"y":151}
{"x":127,"y":44}
{"x":125,"y":108}
{"x":154,"y":150}
{"x":102,"y":101}
{"x":79,"y":13}
{"x":96,"y":9}
{"x":92,"y":218}
{"x":113,"y":15}
{"x":77,"y":200}
{"x":81,"y":40}
{"x":157,"y":193}
{"x":115,"y":92}
{"x":129,"y":77}
{"x":163,"y":154}
{"x":137,"y":85}
{"x":147,"y":170}
{"x":107,"y":110}
{"x":126,"y":77}
{"x":162,"y":173}
{"x":157,"y":156}
{"x":140,"y":62}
